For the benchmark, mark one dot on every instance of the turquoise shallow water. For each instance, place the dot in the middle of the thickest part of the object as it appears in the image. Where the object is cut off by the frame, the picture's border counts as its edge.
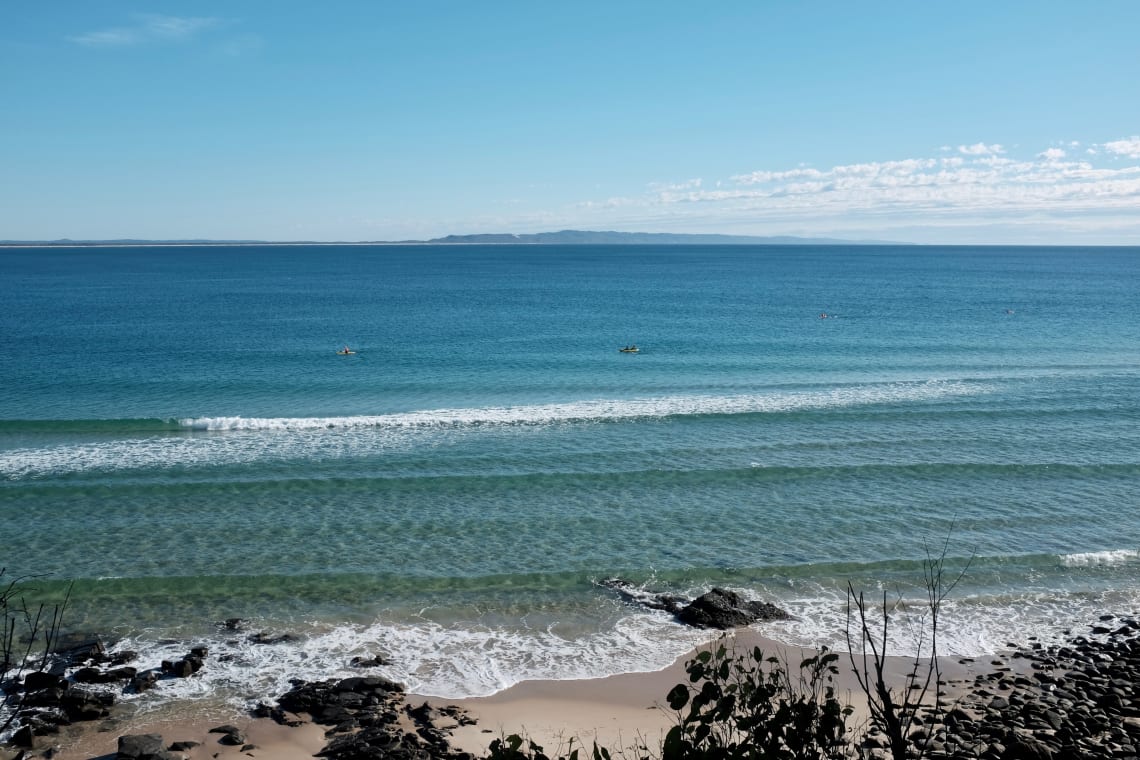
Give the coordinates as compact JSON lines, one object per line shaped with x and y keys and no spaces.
{"x":178,"y":435}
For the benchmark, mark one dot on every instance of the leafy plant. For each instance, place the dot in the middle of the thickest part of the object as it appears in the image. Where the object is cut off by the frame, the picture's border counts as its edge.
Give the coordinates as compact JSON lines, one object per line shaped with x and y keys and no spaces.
{"x":511,"y":748}
{"x":748,"y":707}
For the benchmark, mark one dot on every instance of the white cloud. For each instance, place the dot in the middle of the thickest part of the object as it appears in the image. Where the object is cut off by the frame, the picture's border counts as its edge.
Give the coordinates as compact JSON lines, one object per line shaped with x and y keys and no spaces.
{"x":982,"y":188}
{"x":981,"y":149}
{"x":1129,"y":146}
{"x":147,"y":27}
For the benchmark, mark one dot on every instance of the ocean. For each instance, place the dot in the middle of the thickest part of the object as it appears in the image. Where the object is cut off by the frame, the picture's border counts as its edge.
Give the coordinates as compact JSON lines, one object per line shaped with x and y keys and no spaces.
{"x":180,"y":439}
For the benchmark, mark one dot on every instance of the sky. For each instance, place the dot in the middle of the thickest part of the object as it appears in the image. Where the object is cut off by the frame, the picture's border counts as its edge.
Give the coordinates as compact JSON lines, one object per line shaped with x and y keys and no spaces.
{"x":964,"y":123}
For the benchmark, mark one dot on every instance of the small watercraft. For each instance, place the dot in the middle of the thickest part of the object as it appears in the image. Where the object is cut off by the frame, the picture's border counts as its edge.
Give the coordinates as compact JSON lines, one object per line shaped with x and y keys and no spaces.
{"x":346,"y":351}
{"x":630,"y":349}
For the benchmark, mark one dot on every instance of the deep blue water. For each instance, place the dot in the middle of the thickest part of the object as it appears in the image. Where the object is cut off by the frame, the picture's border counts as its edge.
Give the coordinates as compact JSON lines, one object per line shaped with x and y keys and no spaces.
{"x":178,"y":434}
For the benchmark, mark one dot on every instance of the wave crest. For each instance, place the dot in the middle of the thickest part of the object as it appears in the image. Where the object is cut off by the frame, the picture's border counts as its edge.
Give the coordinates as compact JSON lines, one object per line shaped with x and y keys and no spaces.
{"x":1110,"y":557}
{"x":601,"y":410}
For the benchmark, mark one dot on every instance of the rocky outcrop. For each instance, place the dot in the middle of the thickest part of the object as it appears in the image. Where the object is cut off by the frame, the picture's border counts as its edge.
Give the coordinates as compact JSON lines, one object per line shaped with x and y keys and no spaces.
{"x":368,"y":716}
{"x":718,"y":608}
{"x":726,"y":609}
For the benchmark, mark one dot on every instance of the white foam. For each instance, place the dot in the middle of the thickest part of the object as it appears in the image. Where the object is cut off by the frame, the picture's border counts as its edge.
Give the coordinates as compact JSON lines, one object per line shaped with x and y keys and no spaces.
{"x":470,"y":660}
{"x":1109,"y":558}
{"x":968,"y":627}
{"x":429,"y":659}
{"x":599,"y":410}
{"x":252,"y":439}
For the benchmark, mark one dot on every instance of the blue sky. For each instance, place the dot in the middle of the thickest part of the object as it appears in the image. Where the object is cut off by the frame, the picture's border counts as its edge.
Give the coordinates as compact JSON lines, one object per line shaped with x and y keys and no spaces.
{"x":964,"y":123}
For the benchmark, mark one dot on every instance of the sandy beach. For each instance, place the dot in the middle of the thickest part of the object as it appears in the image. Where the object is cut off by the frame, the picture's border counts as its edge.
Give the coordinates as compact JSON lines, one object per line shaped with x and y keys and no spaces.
{"x":618,"y":712}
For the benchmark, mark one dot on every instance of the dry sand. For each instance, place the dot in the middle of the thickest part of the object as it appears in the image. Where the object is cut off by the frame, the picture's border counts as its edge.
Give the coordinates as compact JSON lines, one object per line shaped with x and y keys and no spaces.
{"x":617,"y":712}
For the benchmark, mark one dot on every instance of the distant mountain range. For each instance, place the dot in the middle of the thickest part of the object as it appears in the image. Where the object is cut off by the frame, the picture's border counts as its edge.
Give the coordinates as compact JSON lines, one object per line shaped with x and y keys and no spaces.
{"x":564,"y":237}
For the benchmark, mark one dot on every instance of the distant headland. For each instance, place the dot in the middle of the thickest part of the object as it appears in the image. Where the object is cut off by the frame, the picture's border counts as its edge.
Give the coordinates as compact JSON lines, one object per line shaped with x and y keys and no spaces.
{"x":563,"y":237}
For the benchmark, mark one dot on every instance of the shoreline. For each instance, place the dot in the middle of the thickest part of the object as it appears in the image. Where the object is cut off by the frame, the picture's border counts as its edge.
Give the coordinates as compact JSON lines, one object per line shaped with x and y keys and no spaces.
{"x":619,"y":712}
{"x":1077,"y":698}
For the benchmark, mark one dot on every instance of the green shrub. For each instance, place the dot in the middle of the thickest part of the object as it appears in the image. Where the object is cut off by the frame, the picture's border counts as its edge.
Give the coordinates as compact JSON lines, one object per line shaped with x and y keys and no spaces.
{"x":747,"y":707}
{"x":736,"y":707}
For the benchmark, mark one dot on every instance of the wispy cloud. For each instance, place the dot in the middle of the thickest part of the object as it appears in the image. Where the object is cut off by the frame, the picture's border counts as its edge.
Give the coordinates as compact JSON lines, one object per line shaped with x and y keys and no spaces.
{"x":147,"y":27}
{"x":981,"y":186}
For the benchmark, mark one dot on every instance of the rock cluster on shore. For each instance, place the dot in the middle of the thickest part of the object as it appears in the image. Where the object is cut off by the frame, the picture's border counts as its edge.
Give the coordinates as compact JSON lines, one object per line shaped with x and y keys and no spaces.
{"x":83,"y":684}
{"x":369,"y":719}
{"x":1076,"y":700}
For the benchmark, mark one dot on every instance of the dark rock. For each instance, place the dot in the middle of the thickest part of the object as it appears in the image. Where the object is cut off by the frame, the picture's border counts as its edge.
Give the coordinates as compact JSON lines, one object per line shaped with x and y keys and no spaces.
{"x":179,"y":669}
{"x":38,"y":679}
{"x":425,"y":713}
{"x":24,"y":737}
{"x":141,"y":747}
{"x":123,"y":657}
{"x":80,"y":648}
{"x":265,"y":638}
{"x":85,"y":704}
{"x":46,"y":721}
{"x":95,"y":675}
{"x":183,"y":746}
{"x":369,"y":684}
{"x":87,"y":675}
{"x":44,"y":697}
{"x":724,"y":609}
{"x":143,"y":681}
{"x":228,"y":728}
{"x":1027,"y":748}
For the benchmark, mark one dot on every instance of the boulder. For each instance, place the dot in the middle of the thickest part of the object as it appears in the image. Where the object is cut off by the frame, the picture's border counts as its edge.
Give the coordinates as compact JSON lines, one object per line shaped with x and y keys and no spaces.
{"x":86,"y":704}
{"x":38,"y":679}
{"x":24,"y":737}
{"x":142,"y":747}
{"x":723,"y":609}
{"x":144,"y":680}
{"x":183,"y":746}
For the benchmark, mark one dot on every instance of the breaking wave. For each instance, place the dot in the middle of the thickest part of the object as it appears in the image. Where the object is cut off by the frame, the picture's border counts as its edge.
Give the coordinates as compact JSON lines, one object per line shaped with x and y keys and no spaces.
{"x":242,"y":440}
